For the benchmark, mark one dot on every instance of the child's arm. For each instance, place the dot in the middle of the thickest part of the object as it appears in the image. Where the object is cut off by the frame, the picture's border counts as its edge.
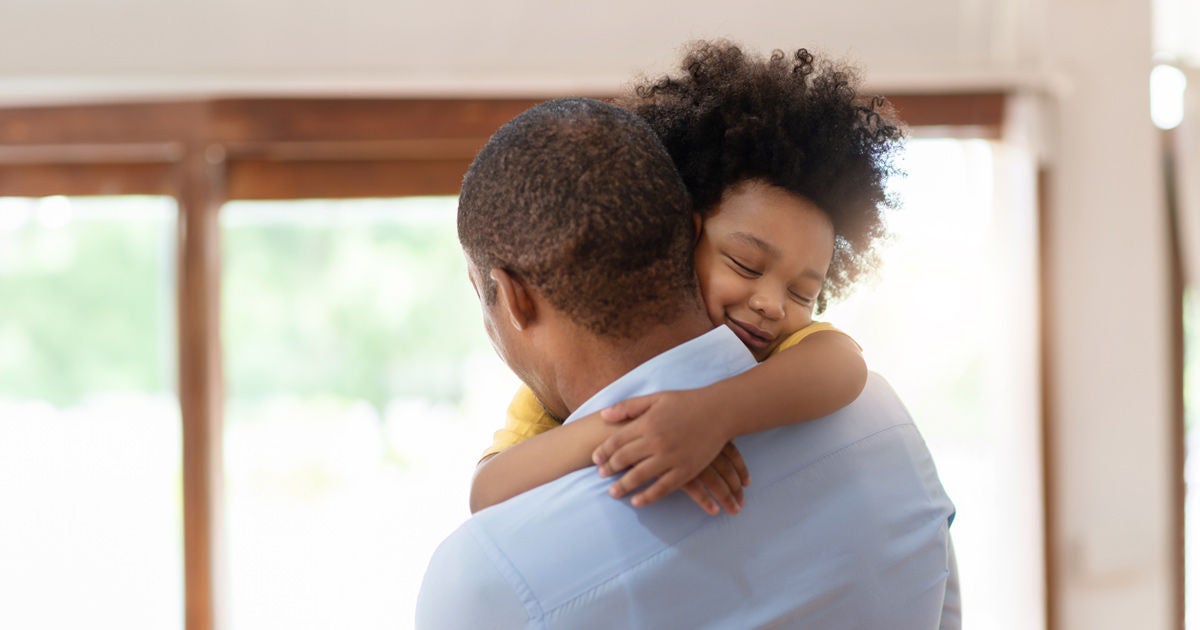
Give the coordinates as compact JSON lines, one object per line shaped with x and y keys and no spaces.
{"x":537,"y":460}
{"x":525,"y":418}
{"x":676,"y":434}
{"x":552,"y":454}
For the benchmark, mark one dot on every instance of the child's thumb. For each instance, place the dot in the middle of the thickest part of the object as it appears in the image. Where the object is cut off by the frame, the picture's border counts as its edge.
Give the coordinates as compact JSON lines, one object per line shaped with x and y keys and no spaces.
{"x":615,"y":413}
{"x":626,"y":410}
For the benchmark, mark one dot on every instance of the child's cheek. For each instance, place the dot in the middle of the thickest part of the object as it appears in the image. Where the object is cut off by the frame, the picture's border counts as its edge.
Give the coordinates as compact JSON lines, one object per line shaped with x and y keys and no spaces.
{"x":712,"y":290}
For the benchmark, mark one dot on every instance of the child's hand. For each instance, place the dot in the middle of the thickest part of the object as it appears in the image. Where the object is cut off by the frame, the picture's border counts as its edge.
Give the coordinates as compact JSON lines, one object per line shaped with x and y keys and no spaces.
{"x":720,"y":485}
{"x":668,"y":439}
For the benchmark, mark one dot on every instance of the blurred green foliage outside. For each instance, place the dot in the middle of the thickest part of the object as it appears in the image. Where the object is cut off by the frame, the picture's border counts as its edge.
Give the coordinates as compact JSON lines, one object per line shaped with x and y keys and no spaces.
{"x":356,"y":300}
{"x":86,"y":297}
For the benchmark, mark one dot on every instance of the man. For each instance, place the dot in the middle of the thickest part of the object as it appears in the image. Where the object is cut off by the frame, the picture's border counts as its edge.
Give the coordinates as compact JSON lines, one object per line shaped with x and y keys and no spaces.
{"x":578,"y":234}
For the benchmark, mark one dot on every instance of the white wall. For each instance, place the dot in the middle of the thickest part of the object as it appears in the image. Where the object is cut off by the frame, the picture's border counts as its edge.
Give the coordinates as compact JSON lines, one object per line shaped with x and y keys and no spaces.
{"x":1089,"y":61}
{"x":59,"y":47}
{"x":1107,"y":271}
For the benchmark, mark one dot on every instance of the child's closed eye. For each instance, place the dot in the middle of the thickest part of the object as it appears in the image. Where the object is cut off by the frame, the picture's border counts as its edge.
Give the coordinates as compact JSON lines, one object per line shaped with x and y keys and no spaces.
{"x":801,"y":299}
{"x":744,"y":269}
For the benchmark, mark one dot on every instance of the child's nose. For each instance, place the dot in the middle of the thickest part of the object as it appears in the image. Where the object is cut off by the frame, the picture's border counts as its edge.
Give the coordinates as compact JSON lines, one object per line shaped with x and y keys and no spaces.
{"x":765,"y":306}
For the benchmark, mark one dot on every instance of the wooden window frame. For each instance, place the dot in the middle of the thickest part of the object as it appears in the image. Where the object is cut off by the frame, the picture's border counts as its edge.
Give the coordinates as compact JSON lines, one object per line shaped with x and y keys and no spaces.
{"x":204,"y":153}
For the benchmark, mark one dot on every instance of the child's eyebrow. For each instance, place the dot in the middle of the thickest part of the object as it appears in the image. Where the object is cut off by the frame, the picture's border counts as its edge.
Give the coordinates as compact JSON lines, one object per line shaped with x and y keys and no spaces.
{"x":766,"y":247}
{"x":809,"y":272}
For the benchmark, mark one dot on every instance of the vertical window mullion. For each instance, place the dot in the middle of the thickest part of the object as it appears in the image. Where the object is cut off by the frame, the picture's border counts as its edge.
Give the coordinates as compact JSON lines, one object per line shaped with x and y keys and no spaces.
{"x":200,"y":194}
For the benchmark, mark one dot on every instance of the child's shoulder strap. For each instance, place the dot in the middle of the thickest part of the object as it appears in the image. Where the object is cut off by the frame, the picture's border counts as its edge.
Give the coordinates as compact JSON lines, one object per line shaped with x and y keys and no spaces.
{"x":806,"y":332}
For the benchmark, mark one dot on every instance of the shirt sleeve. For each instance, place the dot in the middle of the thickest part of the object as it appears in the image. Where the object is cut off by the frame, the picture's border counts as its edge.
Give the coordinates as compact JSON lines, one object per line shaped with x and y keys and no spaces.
{"x":952,"y":604}
{"x":525,"y":418}
{"x":462,"y":589}
{"x":807,"y":331}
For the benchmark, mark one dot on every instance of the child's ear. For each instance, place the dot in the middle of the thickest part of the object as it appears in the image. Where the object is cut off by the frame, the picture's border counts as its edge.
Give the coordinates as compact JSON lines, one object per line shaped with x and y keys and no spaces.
{"x":697,"y":224}
{"x":512,"y":297}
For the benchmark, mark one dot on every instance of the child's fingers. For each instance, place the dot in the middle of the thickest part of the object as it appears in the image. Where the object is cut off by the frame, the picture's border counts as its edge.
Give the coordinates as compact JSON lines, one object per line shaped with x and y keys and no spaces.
{"x":626,"y":454}
{"x":732,"y":480}
{"x":735,"y":457}
{"x":699,"y":495}
{"x":626,"y":409}
{"x":637,"y":477}
{"x":664,"y":485}
{"x":718,"y":487}
{"x":601,"y":454}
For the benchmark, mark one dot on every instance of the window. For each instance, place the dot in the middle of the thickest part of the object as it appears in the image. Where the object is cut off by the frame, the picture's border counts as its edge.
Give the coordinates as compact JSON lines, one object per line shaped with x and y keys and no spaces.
{"x":952,"y":325}
{"x":361,"y":392}
{"x":359,"y":388}
{"x":89,"y":418}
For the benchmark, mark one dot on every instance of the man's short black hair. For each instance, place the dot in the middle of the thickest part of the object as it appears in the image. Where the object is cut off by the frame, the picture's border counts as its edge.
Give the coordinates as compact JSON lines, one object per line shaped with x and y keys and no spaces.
{"x":579,"y":199}
{"x":788,"y":120}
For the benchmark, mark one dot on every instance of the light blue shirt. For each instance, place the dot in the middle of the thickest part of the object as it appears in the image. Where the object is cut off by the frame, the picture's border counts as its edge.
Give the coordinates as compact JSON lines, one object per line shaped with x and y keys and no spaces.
{"x":845,"y":526}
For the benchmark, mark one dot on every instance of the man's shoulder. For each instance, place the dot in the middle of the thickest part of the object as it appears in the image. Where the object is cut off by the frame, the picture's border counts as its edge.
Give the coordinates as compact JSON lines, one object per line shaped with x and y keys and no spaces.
{"x":876,"y":422}
{"x":879,"y":400}
{"x":465,"y":583}
{"x":834,"y":488}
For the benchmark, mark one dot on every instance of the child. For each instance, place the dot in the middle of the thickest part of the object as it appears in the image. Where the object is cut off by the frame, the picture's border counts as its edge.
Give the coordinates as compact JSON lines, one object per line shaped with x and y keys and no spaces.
{"x":786,"y":165}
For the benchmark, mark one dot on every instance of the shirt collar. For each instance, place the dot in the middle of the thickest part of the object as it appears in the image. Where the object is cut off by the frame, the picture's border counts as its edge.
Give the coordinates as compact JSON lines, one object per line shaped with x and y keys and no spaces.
{"x":713,"y":356}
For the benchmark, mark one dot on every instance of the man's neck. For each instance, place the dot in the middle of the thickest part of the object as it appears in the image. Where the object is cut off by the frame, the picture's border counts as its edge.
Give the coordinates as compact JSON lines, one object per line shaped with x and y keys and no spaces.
{"x":596,"y":362}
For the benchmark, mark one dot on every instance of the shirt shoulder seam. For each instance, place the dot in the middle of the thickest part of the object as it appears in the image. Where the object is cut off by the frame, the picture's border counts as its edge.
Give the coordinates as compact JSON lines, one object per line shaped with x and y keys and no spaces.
{"x":511,"y":574}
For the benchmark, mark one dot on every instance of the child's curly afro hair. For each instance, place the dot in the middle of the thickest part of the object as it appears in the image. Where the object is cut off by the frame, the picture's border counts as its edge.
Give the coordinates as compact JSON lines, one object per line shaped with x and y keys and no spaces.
{"x":790,"y":121}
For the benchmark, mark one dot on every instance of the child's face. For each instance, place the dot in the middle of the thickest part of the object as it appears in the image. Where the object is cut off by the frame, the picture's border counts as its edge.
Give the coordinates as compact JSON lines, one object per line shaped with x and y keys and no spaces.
{"x":762,"y":258}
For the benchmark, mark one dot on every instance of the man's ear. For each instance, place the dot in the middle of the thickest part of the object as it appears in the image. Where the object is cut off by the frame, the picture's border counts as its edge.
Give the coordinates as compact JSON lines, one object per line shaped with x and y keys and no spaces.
{"x":513,"y":298}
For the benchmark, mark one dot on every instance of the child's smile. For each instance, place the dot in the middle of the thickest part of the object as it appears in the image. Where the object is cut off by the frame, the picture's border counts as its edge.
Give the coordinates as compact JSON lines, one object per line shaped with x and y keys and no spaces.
{"x":761,"y":259}
{"x":754,"y":337}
